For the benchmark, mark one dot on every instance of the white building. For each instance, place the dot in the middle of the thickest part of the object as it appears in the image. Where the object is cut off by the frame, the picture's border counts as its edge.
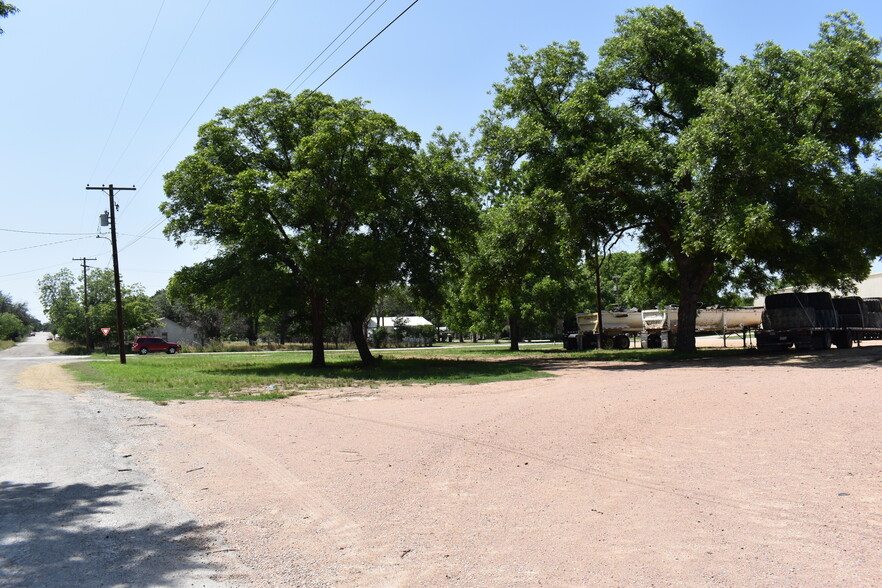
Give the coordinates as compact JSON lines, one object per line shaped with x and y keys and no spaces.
{"x":173,"y":332}
{"x":390,"y":322}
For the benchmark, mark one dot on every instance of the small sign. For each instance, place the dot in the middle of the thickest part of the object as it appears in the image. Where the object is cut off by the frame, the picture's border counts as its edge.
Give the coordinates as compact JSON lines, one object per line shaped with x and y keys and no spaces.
{"x":106,"y":331}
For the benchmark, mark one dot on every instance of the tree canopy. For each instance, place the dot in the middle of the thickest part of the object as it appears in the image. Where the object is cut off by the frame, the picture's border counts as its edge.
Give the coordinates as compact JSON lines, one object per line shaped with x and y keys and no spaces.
{"x":6,"y":10}
{"x":730,"y":174}
{"x":338,"y":196}
{"x":62,"y":297}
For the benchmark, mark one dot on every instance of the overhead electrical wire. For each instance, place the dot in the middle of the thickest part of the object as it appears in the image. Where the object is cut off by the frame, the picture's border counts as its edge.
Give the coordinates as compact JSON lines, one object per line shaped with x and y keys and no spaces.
{"x":363,"y":47}
{"x":158,"y":220}
{"x":332,"y":53}
{"x":149,"y":174}
{"x":45,"y":244}
{"x":31,"y":271}
{"x":207,"y":94}
{"x":44,"y":233}
{"x":161,"y":87}
{"x":129,"y":89}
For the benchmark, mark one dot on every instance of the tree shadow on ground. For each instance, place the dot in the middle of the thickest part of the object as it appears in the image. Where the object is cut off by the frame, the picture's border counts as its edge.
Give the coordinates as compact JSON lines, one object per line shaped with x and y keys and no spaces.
{"x":53,"y":536}
{"x":712,"y":358}
{"x":393,"y":370}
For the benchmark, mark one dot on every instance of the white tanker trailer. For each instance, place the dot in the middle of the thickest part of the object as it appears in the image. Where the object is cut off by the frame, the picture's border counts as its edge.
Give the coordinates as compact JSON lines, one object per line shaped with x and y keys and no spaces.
{"x":618,"y":327}
{"x":658,"y":328}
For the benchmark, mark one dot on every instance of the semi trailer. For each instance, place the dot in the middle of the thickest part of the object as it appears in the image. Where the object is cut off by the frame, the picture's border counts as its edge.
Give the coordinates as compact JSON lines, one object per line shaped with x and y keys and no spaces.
{"x":657,"y":328}
{"x":816,"y":320}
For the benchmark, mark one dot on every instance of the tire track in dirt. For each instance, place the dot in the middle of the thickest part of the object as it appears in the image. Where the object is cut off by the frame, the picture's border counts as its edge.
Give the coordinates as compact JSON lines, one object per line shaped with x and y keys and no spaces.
{"x":332,"y":525}
{"x":774,"y":514}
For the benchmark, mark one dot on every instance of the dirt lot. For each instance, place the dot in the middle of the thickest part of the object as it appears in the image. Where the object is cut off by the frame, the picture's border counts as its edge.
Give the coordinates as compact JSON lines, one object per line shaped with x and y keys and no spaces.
{"x":758,"y":471}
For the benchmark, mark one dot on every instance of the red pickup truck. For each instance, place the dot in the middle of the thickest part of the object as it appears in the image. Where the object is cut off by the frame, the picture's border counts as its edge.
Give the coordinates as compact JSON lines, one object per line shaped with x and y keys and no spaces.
{"x":145,"y":345}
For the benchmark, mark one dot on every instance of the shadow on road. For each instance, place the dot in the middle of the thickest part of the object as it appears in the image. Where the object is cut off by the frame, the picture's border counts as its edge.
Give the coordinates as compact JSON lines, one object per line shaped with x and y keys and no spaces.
{"x":60,"y":536}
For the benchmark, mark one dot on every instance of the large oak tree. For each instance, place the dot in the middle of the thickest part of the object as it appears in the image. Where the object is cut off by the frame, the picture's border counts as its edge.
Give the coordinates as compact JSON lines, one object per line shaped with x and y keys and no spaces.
{"x":742,"y":172}
{"x":338,"y":195}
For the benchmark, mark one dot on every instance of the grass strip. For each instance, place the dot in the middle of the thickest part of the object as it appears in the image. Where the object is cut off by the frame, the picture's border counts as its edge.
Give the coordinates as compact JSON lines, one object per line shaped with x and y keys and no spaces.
{"x":276,"y":375}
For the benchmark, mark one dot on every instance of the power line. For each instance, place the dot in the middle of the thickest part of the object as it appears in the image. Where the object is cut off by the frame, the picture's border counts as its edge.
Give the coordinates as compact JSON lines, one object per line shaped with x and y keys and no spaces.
{"x":210,"y":90}
{"x":156,"y":223}
{"x":161,"y":87}
{"x":126,"y":95}
{"x":314,"y":90}
{"x":44,"y":245}
{"x":334,"y":41}
{"x":44,"y":233}
{"x":31,"y":271}
{"x":158,"y":220}
{"x":412,"y":4}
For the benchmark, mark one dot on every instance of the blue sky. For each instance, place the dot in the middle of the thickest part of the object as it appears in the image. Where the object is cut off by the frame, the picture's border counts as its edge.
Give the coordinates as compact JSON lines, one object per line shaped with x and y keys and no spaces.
{"x":86,"y":99}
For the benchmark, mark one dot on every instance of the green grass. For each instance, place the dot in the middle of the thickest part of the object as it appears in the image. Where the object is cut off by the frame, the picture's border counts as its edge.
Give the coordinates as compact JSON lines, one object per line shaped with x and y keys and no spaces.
{"x":275,"y":375}
{"x":263,"y":376}
{"x":68,"y":348}
{"x":6,"y":344}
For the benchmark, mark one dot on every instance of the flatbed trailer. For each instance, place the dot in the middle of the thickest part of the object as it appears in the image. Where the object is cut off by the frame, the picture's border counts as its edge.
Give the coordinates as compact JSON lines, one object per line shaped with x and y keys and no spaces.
{"x":816,"y":320}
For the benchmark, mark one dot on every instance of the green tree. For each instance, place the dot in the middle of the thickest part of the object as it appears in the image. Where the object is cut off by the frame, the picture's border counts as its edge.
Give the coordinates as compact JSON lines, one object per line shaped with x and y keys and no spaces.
{"x":19,"y":310}
{"x":519,"y":269}
{"x":328,"y":189}
{"x":62,"y":297}
{"x":62,"y":304}
{"x":6,"y":10}
{"x":775,"y":160}
{"x":241,"y":286}
{"x":11,"y":327}
{"x":731,"y":175}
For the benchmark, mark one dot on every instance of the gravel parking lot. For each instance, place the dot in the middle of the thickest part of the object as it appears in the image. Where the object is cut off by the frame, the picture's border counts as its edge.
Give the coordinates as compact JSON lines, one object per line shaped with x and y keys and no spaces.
{"x":761,"y":470}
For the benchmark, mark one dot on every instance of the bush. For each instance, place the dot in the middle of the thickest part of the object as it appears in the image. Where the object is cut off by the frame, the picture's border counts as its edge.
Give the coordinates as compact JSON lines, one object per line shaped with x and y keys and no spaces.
{"x":11,"y":327}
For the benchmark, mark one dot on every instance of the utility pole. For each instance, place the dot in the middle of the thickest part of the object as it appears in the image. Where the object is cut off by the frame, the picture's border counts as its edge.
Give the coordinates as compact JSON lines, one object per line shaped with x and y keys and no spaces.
{"x":89,"y":345}
{"x":120,"y":335}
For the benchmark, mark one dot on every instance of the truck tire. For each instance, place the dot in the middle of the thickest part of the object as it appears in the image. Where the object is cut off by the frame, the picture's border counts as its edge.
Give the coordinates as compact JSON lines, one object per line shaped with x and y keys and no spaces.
{"x":621,"y":342}
{"x":844,"y":341}
{"x":822,"y":341}
{"x":653,"y":341}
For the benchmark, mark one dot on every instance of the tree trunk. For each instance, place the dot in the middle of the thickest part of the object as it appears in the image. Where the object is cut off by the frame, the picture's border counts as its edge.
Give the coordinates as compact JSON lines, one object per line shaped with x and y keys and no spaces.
{"x":514,"y":327}
{"x":693,"y":276}
{"x":318,"y":330}
{"x":253,"y":325}
{"x":358,"y":335}
{"x":284,"y":325}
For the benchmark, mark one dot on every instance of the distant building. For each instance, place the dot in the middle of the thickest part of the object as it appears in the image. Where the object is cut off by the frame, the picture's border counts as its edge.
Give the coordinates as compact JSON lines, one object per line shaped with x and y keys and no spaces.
{"x":869,"y":288}
{"x":173,"y":332}
{"x":390,"y":322}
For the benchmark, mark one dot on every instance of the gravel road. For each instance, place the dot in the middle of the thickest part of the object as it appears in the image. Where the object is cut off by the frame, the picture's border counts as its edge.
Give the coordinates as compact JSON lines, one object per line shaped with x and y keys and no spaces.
{"x":74,"y":508}
{"x":763,"y":470}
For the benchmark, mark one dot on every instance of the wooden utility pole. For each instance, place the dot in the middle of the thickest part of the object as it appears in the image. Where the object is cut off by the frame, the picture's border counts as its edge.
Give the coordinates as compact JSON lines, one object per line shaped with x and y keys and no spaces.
{"x":120,"y":334}
{"x":89,"y":345}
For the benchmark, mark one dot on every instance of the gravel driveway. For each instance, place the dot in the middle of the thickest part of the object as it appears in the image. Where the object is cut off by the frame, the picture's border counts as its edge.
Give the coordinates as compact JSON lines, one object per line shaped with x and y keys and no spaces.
{"x":764,"y":470}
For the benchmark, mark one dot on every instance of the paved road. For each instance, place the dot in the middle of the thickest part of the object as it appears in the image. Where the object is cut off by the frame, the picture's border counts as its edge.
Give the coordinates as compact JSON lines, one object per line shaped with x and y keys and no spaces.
{"x":75,"y":508}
